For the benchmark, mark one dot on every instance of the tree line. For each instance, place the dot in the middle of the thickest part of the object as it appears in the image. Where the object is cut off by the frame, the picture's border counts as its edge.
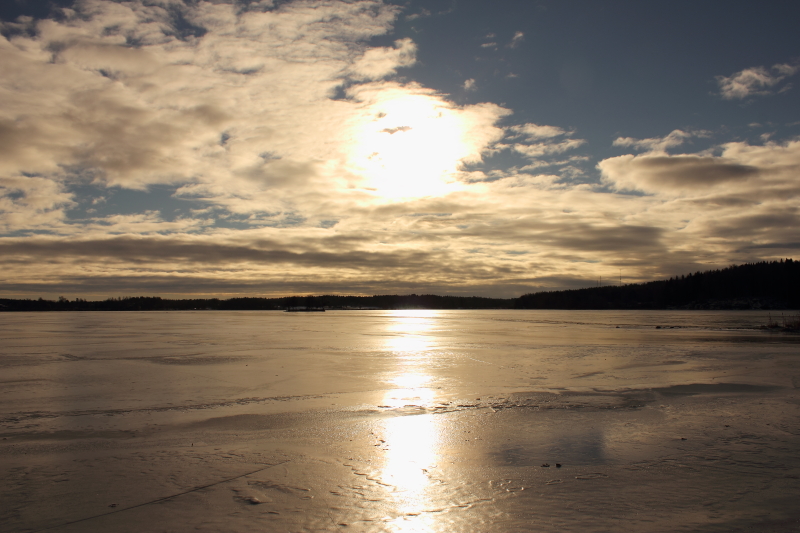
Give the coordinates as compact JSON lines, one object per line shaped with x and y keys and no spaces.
{"x":155,"y":303}
{"x":762,"y":285}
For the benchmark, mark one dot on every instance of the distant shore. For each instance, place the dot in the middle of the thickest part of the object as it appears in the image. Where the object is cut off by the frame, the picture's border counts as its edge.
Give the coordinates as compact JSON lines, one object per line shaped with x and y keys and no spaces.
{"x":766,"y":285}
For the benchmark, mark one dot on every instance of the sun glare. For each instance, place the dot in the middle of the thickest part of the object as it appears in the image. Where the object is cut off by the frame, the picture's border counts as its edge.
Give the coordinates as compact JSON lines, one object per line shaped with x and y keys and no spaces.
{"x":412,"y":440}
{"x":412,"y":148}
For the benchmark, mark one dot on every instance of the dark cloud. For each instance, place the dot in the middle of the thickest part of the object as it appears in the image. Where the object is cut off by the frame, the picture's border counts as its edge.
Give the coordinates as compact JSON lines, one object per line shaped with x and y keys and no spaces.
{"x":169,"y":266}
{"x":724,"y":201}
{"x":203,"y":286}
{"x":172,"y":254}
{"x":571,"y":235}
{"x":693,"y":170}
{"x":655,"y":172}
{"x":769,"y":226}
{"x":139,"y":250}
{"x":793,"y":246}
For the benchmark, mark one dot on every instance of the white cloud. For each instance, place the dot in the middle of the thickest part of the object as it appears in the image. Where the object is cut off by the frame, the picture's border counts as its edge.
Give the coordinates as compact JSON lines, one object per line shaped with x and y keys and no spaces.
{"x":377,"y":63}
{"x":659,"y":144}
{"x":540,"y":140}
{"x":29,"y":201}
{"x":754,"y":81}
{"x":517,"y":39}
{"x":147,"y":223}
{"x":469,"y":85}
{"x":533,"y":151}
{"x":535,"y":131}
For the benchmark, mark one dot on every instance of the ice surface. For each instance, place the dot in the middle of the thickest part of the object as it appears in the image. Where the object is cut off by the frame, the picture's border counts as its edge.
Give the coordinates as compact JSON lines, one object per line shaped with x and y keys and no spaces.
{"x":398,"y":421}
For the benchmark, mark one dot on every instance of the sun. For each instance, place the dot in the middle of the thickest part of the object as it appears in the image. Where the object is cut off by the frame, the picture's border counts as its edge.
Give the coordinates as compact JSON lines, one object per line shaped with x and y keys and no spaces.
{"x":411,"y":146}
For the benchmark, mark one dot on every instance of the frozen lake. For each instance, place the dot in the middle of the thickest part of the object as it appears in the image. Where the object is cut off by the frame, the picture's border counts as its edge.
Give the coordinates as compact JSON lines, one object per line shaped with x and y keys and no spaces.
{"x":437,"y":421}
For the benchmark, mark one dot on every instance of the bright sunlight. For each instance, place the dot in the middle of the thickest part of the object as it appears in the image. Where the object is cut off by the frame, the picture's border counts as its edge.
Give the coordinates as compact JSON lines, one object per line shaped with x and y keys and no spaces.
{"x":413,"y":147}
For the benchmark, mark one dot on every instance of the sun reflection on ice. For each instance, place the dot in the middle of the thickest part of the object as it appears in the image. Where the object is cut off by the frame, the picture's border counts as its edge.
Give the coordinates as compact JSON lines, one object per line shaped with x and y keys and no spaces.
{"x":412,"y":438}
{"x":412,"y":442}
{"x":411,"y":381}
{"x":408,"y":345}
{"x":410,"y":336}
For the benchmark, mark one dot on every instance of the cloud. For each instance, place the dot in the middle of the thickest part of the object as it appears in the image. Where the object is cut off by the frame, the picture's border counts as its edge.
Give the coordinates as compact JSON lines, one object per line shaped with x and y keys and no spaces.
{"x":377,"y":63}
{"x":754,"y":171}
{"x":432,"y":241}
{"x":659,"y":144}
{"x":535,"y":132}
{"x":264,"y":80}
{"x":754,"y":81}
{"x":539,"y":140}
{"x":535,"y":150}
{"x":734,"y":201}
{"x":423,"y":13}
{"x":653,"y":172}
{"x":517,"y":39}
{"x":272,"y":148}
{"x":27,"y":201}
{"x":469,"y":85}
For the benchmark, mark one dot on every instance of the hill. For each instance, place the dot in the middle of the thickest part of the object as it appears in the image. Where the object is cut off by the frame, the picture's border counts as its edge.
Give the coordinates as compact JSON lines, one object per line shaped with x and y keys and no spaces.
{"x":763,"y":285}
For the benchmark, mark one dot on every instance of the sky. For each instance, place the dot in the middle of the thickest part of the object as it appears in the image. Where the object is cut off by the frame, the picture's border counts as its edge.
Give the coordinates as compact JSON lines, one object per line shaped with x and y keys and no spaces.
{"x":271,"y":148}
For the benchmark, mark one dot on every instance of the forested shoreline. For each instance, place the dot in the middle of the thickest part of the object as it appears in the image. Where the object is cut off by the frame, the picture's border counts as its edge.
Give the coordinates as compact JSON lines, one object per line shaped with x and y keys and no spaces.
{"x":763,"y":285}
{"x":155,"y":303}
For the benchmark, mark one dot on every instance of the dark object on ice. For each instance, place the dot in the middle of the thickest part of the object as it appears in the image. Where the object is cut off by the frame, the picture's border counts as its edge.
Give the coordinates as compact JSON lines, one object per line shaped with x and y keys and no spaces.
{"x":558,"y":465}
{"x":792,"y":324}
{"x":113,"y":505}
{"x":683,"y":438}
{"x":658,"y":327}
{"x":545,"y":465}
